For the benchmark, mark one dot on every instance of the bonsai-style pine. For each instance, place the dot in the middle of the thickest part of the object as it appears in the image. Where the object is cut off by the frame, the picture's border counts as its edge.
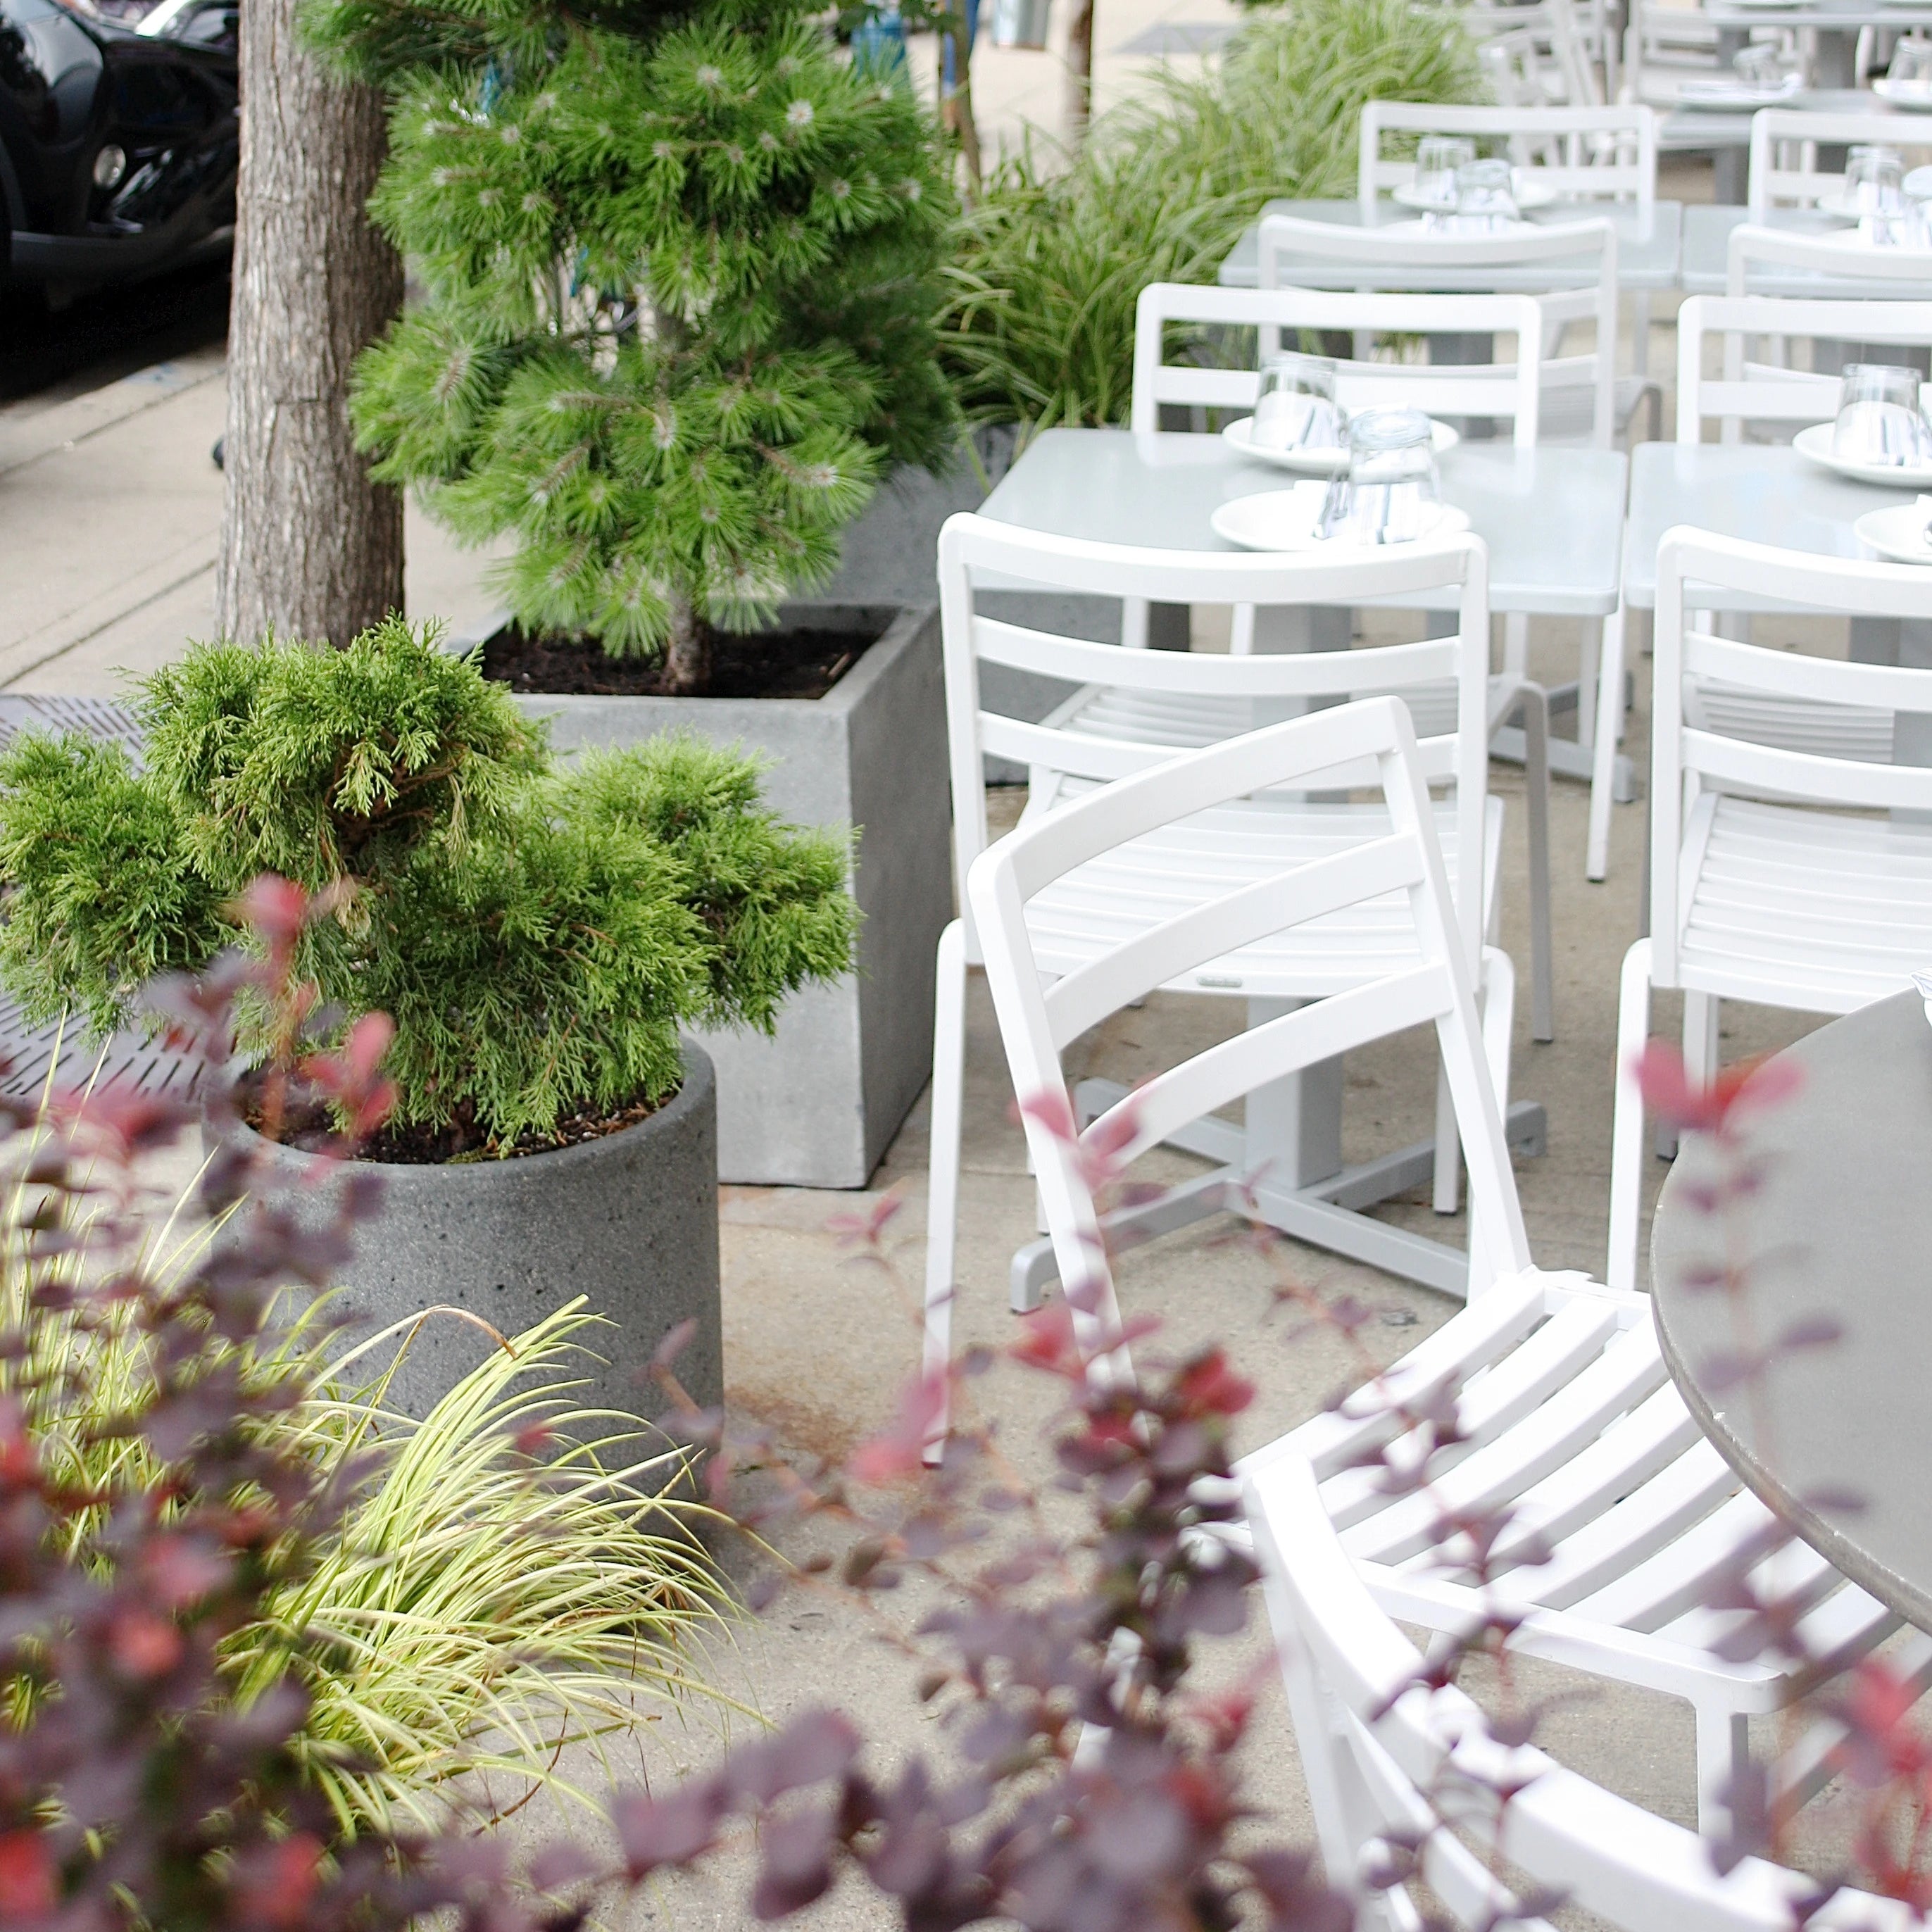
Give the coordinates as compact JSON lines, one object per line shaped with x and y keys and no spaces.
{"x":538,"y":933}
{"x":681,"y":268}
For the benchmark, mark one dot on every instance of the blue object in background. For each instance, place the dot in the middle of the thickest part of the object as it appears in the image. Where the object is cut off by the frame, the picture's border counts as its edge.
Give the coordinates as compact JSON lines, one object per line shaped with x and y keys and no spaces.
{"x":946,"y":79}
{"x":879,"y":46}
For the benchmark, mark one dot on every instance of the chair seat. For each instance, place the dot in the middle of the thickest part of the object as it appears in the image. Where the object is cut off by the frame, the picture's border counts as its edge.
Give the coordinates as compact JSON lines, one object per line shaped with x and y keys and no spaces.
{"x":1817,"y":910}
{"x":1188,"y":864}
{"x":1192,"y":723}
{"x":1622,"y":1516}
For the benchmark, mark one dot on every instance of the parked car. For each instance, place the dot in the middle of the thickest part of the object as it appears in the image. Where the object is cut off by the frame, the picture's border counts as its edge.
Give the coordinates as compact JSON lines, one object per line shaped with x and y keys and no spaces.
{"x":119,"y":136}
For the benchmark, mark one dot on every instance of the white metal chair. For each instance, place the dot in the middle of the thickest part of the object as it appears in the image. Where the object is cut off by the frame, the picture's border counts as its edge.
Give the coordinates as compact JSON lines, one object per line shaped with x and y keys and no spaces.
{"x":1770,"y":879}
{"x":1055,"y":969}
{"x":1506,"y":392}
{"x":1390,"y":1760}
{"x":1752,"y":249}
{"x":1295,"y":252}
{"x":1779,"y":135}
{"x":1594,"y":153}
{"x":1623,"y":1512}
{"x":1072,"y":752}
{"x":1664,"y":46}
{"x":1292,"y":251}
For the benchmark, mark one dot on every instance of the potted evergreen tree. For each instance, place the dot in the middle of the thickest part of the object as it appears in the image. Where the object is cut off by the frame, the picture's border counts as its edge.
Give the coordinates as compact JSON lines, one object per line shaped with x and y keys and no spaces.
{"x":539,"y":934}
{"x":680,"y":272}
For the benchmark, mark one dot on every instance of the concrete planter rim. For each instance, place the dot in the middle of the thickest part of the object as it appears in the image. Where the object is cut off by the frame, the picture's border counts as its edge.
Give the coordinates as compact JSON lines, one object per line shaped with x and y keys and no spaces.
{"x":694,"y":1092}
{"x":846,"y":695}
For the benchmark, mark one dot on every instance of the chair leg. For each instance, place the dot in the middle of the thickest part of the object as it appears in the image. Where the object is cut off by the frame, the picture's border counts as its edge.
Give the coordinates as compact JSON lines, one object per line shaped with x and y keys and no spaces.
{"x":942,"y":1191}
{"x":1701,"y":1012}
{"x":1603,"y":759}
{"x":1516,"y":644}
{"x":1724,"y":1751}
{"x":1448,"y":1148}
{"x":1626,"y":1129}
{"x":1536,"y":788}
{"x":1497,"y":999}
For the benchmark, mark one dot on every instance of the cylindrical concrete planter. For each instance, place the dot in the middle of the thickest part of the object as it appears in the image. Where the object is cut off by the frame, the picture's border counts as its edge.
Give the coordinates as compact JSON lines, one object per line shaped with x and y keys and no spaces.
{"x":630,"y":1222}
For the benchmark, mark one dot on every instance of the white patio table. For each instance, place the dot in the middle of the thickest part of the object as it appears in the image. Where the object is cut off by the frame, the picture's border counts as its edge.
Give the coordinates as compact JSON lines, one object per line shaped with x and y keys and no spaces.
{"x":1836,"y":23}
{"x":1836,"y":1443}
{"x":1647,"y":248}
{"x":1553,"y":521}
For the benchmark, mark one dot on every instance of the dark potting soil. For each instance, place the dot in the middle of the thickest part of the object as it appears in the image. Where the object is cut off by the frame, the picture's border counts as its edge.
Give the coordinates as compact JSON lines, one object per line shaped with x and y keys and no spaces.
{"x":749,"y":663}
{"x":440,"y":1147}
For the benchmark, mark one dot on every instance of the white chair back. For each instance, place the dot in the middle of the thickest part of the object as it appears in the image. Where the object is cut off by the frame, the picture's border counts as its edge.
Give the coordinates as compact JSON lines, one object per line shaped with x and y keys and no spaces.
{"x":1391,"y":1761}
{"x":1663,"y":44}
{"x":1829,"y":257}
{"x":1784,"y":143}
{"x":1597,"y":153}
{"x":1769,"y":391}
{"x":1580,"y":258}
{"x":1037,"y":1020}
{"x":1508,"y":391}
{"x":974,"y":549}
{"x":1690,"y":757}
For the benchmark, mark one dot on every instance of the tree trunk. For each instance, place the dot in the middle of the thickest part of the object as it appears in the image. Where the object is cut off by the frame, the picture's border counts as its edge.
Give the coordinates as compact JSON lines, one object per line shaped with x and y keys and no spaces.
{"x":1079,"y":71}
{"x":687,"y":668}
{"x":309,"y":545}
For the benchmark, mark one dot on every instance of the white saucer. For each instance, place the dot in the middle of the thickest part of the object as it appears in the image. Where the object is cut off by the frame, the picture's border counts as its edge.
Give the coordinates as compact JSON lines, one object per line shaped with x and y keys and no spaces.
{"x":1527,"y":191}
{"x":1919,"y":98}
{"x":1284,"y":520}
{"x":1319,"y":462}
{"x":1897,"y":533}
{"x":1919,"y":184}
{"x":1815,"y":444}
{"x":1733,"y":96}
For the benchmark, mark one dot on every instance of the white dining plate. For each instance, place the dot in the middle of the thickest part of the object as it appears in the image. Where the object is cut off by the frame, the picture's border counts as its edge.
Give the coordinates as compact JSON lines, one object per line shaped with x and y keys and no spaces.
{"x":1919,"y":98}
{"x":1897,"y":533}
{"x":1733,"y":96}
{"x":1816,"y":444}
{"x":1318,"y":462}
{"x":1528,"y":193}
{"x":1284,"y":520}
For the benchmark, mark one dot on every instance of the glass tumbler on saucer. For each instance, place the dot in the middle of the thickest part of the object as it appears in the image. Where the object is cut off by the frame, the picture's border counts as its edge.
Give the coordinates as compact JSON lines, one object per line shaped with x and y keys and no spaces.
{"x":1392,"y":493}
{"x":1879,"y":419}
{"x":1762,"y":67}
{"x":1437,"y":158}
{"x":1297,"y":409}
{"x":1485,"y":197}
{"x":1874,"y":181}
{"x":1911,"y":68}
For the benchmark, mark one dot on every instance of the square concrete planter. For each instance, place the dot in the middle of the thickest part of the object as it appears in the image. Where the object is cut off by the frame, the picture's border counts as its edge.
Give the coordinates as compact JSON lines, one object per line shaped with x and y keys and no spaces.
{"x":816,"y":1104}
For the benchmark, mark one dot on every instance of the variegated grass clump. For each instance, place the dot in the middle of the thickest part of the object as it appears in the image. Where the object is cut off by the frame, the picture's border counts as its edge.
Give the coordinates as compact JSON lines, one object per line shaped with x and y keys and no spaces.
{"x":508,"y":1596}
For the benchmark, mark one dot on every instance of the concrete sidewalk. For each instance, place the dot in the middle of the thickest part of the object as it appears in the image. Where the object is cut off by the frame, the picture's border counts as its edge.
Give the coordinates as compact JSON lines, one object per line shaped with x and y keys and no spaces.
{"x":110,"y":518}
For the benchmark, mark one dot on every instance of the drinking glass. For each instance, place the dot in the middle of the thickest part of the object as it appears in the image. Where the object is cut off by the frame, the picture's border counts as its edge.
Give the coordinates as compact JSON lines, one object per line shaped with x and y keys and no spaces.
{"x":1762,"y":66}
{"x":1874,"y":181}
{"x":1485,"y":196}
{"x":1391,"y":493}
{"x":1437,"y":158}
{"x":1879,"y":418}
{"x":1297,"y":409}
{"x":1911,"y":66}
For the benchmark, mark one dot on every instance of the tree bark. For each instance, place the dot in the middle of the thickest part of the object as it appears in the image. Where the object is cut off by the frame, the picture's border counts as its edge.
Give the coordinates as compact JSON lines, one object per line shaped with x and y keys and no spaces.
{"x":1079,"y":71}
{"x":687,"y":665}
{"x":309,"y":545}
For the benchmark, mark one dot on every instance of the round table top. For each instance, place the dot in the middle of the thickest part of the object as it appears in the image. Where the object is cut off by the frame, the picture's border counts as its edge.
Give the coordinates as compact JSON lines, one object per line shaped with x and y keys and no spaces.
{"x":1837,"y":1437}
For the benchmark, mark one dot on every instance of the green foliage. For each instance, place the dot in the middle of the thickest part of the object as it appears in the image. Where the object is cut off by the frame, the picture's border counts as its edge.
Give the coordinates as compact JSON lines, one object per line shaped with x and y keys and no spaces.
{"x":1041,"y":324}
{"x":538,"y":934}
{"x":682,"y":277}
{"x":106,"y":893}
{"x":473,"y":1610}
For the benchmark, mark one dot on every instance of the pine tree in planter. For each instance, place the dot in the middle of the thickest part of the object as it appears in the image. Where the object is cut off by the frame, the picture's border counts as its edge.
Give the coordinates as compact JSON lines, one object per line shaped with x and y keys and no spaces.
{"x":539,"y":935}
{"x":681,"y":270}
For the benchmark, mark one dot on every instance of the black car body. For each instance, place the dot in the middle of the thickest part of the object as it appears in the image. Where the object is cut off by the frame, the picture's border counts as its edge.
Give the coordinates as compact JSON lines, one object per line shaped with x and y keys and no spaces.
{"x":119,"y":135}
